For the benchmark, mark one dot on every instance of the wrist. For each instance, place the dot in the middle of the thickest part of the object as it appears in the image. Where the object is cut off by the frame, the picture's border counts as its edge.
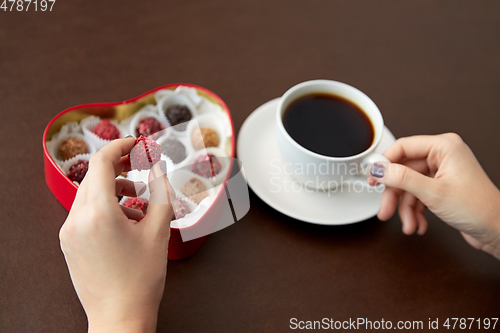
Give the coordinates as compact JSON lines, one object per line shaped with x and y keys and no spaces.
{"x":141,"y":319}
{"x":493,"y":224}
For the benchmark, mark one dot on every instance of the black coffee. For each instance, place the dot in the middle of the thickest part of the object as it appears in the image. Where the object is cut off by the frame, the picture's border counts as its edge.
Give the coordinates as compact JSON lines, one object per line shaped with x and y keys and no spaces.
{"x":328,"y":125}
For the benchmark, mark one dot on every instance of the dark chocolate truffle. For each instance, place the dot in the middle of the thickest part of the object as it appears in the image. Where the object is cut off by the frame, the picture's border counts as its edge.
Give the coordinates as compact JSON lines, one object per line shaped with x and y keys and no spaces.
{"x":206,"y":165}
{"x":178,"y":116}
{"x":174,"y":149}
{"x":195,"y":190}
{"x":181,"y":209}
{"x":72,"y":146}
{"x":149,"y":126}
{"x":145,"y":153}
{"x":204,"y":137}
{"x":137,"y":203}
{"x":78,"y":170}
{"x":106,"y":130}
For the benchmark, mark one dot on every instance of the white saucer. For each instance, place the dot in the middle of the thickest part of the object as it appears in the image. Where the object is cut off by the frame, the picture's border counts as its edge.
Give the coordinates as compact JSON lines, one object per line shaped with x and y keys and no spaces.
{"x":256,"y":147}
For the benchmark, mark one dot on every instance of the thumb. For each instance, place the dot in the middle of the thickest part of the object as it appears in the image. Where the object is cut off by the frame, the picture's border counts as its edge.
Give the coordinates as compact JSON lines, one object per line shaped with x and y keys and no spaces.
{"x":160,"y":209}
{"x":401,"y":177}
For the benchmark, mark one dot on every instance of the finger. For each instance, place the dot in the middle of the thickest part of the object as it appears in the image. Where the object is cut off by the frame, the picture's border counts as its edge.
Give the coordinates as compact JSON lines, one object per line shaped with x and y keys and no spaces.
{"x":101,"y":174}
{"x":413,"y":147}
{"x":420,"y":166}
{"x":129,"y":188}
{"x":81,"y":194}
{"x":389,"y":204}
{"x":421,"y":220}
{"x":472,"y":241}
{"x":123,"y":165}
{"x":402,"y":177}
{"x":407,"y":213}
{"x":160,"y":210}
{"x":131,"y":213}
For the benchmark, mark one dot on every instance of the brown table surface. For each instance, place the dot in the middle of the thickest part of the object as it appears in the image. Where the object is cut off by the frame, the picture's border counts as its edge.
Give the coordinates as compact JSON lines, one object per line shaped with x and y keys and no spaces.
{"x":431,"y":66}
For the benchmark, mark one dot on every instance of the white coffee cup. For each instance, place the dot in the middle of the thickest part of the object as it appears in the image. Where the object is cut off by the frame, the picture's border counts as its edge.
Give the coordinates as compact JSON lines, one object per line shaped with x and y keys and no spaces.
{"x":320,"y":172}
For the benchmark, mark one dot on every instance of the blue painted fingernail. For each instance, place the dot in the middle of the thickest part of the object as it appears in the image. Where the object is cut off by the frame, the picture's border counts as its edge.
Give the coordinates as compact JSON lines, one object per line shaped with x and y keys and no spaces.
{"x":377,"y":170}
{"x":129,"y":136}
{"x":163,"y":167}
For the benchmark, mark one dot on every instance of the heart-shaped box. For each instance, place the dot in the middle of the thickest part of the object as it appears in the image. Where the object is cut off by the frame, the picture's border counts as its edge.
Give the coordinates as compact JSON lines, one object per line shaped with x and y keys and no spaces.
{"x":65,"y":190}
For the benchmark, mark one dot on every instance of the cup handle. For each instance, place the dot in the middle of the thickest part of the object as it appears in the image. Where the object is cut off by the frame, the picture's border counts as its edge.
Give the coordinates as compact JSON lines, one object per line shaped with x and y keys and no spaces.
{"x":365,"y":170}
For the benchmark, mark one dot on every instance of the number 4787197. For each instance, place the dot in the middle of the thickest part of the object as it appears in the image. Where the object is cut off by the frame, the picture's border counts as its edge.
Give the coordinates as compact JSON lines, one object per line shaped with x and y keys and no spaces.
{"x":25,"y":5}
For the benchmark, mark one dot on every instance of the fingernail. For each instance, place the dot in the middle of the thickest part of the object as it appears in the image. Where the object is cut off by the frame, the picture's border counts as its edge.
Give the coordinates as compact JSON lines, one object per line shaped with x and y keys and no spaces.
{"x":377,"y":170}
{"x":140,"y":187}
{"x":129,"y":136}
{"x":163,"y":167}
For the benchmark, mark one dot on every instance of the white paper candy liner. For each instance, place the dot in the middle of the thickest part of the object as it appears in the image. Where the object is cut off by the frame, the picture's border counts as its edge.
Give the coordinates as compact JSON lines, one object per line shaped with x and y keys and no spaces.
{"x":55,"y":143}
{"x":221,"y":157}
{"x":148,"y":112}
{"x":170,"y":98}
{"x":206,"y":107}
{"x":191,"y":93}
{"x":208,"y":121}
{"x":185,"y":142}
{"x":179,"y":177}
{"x":88,"y":125}
{"x":68,"y":163}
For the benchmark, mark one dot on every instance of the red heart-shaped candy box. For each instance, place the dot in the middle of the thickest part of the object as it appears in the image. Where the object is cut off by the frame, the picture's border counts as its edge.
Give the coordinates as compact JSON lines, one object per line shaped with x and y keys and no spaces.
{"x":65,"y":190}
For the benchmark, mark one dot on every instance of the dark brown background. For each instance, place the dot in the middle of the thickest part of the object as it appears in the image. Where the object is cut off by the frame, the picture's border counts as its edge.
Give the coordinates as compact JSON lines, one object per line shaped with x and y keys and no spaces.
{"x":431,"y":66}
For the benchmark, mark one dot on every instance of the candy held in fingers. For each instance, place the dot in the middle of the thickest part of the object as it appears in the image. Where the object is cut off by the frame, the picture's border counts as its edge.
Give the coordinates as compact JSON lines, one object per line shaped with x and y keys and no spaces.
{"x":78,"y":170}
{"x":137,"y":203}
{"x":72,"y":146}
{"x":145,"y":153}
{"x":206,"y":165}
{"x":106,"y":130}
{"x":149,"y":126}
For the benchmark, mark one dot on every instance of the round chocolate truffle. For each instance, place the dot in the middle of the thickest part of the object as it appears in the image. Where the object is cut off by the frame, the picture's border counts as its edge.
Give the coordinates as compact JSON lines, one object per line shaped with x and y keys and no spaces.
{"x":137,"y":203}
{"x":149,"y":126}
{"x":174,"y":149}
{"x":178,"y":116}
{"x":78,"y":170}
{"x":206,"y":165}
{"x":204,"y":137}
{"x":181,"y":209}
{"x":195,"y":190}
{"x":72,"y":146}
{"x":145,"y":153}
{"x":106,"y":130}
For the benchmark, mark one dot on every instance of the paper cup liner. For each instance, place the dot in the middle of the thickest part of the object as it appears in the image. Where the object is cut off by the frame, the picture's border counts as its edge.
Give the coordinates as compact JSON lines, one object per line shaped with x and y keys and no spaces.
{"x":163,"y":141}
{"x":207,"y":121}
{"x":148,"y":112}
{"x":221,"y":157}
{"x":178,"y":178}
{"x":170,"y":98}
{"x":55,"y":143}
{"x":68,"y":163}
{"x":88,"y":125}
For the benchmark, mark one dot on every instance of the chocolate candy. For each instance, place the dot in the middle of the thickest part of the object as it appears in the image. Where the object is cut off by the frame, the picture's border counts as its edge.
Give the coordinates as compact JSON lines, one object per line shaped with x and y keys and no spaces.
{"x":204,"y":137}
{"x":78,"y":170}
{"x":72,"y":146}
{"x":178,"y":116}
{"x":174,"y":149}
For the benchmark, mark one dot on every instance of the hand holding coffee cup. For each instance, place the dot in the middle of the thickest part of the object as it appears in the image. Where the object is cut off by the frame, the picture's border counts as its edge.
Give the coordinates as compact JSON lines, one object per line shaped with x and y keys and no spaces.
{"x":327,"y":134}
